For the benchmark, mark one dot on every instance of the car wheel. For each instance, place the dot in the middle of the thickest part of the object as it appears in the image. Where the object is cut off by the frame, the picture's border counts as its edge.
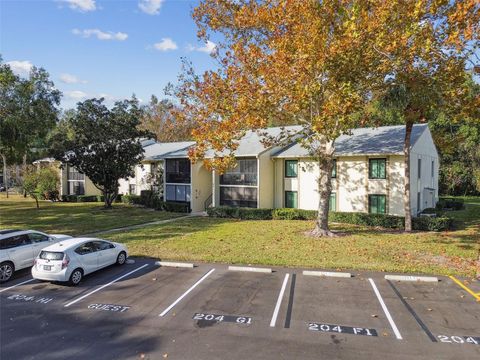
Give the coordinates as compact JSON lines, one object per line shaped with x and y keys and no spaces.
{"x":76,"y":277}
{"x":6,"y":271}
{"x":121,"y":258}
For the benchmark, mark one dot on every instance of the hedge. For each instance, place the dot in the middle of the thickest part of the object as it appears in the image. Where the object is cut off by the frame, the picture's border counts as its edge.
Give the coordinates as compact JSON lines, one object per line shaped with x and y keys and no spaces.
{"x":379,"y":220}
{"x":87,"y":198}
{"x":450,"y":204}
{"x":432,"y":223}
{"x":149,"y":200}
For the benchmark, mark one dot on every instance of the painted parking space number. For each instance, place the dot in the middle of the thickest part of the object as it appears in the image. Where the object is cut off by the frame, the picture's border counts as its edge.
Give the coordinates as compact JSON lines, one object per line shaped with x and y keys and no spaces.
{"x":341,"y":329}
{"x":223,"y":318}
{"x":109,"y":307}
{"x":475,"y":340}
{"x":26,"y":298}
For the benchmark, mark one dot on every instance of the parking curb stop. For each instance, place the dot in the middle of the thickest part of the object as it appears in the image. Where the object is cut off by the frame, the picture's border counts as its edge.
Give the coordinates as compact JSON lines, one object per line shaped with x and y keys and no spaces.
{"x":174,"y":264}
{"x":327,"y":274}
{"x":411,"y":278}
{"x":249,"y":269}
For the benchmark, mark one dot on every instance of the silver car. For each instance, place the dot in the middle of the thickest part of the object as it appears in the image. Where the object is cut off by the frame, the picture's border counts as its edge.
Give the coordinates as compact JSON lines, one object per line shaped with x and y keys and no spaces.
{"x":70,"y":260}
{"x":19,"y":248}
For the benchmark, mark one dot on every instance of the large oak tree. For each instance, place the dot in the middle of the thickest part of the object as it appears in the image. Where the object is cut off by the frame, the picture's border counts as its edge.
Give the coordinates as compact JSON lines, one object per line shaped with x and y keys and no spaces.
{"x":313,"y":63}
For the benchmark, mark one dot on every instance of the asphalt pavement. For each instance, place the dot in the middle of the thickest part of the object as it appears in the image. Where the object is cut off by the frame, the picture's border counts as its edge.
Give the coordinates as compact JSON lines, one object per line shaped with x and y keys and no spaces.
{"x":145,"y":311}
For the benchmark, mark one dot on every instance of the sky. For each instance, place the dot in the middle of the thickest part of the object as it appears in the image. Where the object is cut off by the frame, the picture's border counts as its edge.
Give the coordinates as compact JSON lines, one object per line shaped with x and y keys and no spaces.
{"x":109,"y":48}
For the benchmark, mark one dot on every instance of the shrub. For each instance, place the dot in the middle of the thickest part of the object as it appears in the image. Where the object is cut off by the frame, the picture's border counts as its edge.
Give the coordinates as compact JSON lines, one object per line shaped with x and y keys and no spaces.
{"x":100,"y":198}
{"x":432,"y":223}
{"x":381,"y":220}
{"x":173,"y":206}
{"x":69,"y":198}
{"x":240,"y":213}
{"x":294,"y":214}
{"x":87,"y":198}
{"x":450,"y":204}
{"x":132,"y":199}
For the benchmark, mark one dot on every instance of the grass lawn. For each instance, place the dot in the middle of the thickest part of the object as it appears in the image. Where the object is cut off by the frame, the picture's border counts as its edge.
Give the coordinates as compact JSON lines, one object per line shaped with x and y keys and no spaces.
{"x":283,"y":243}
{"x":17,"y":212}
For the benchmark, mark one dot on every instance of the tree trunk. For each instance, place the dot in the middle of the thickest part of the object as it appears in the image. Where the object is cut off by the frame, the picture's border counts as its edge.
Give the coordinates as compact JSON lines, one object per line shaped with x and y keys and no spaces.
{"x":325,"y":164}
{"x":106,"y":200}
{"x":5,"y":176}
{"x":24,"y":163}
{"x":36,"y":199}
{"x":407,"y":195}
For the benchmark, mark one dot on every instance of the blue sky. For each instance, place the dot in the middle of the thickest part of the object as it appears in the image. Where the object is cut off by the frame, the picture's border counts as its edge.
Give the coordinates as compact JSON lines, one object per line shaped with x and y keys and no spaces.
{"x":102,"y":47}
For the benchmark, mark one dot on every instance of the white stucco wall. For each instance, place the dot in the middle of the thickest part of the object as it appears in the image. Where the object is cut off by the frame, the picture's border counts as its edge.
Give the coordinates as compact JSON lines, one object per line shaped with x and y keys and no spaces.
{"x":425,"y":184}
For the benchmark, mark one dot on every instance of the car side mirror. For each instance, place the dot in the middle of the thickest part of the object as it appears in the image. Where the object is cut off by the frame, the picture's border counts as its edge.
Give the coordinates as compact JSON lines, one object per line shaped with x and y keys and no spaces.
{"x":50,"y":238}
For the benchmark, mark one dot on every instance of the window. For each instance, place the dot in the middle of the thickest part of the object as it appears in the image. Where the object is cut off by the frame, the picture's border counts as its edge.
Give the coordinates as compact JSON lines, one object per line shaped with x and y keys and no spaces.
{"x":238,"y":196}
{"x":334,"y":169}
{"x":433,"y":169}
{"x":177,"y":171}
{"x":74,"y":174}
{"x":244,"y":173}
{"x":291,"y":199}
{"x":291,"y":168}
{"x":132,"y":189}
{"x":37,"y":238}
{"x":179,"y":193}
{"x":86,"y":248}
{"x":14,"y":241}
{"x":376,"y":169}
{"x":102,"y":245}
{"x":332,"y":204}
{"x":419,"y":168}
{"x":51,"y":255}
{"x":76,"y":188}
{"x":377,"y":204}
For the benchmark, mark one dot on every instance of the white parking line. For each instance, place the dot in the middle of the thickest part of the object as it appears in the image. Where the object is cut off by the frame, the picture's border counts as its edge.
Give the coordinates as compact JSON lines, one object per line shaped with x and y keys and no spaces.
{"x":104,"y":286}
{"x":164,"y":312}
{"x":11,"y":287}
{"x":279,"y":301}
{"x":385,"y":310}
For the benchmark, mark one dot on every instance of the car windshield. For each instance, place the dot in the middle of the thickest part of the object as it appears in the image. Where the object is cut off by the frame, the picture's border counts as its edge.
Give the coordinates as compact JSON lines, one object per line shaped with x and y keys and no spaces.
{"x":51,"y":255}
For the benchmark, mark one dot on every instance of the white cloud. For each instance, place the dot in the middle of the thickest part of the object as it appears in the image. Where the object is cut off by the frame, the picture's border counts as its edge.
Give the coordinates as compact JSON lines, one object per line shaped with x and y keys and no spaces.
{"x":150,"y":7}
{"x":208,"y":48}
{"x":81,"y":5}
{"x":165,"y":45}
{"x":101,"y":35}
{"x":20,"y":68}
{"x":71,"y":79}
{"x":75,"y":95}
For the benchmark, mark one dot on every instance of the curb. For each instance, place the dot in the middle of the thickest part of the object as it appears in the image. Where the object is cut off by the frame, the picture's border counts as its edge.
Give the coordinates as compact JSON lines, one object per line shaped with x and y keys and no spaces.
{"x":174,"y":264}
{"x":411,"y":278}
{"x":249,"y":269}
{"x":326,"y":274}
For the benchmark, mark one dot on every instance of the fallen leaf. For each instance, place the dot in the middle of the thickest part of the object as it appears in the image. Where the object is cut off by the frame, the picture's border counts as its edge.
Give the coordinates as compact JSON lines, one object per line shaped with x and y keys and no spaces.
{"x":165,"y":355}
{"x":374,"y":315}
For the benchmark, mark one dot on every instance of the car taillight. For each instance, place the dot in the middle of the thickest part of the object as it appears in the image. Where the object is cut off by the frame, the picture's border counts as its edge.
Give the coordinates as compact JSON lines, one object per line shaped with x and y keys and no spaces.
{"x":65,"y":261}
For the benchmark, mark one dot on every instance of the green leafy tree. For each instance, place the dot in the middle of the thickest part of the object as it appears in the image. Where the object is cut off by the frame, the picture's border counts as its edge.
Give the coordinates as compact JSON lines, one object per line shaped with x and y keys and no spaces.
{"x":28,"y":111}
{"x":102,"y":143}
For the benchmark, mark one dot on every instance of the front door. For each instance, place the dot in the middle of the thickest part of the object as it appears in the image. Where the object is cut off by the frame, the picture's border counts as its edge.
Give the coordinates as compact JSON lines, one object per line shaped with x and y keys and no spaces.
{"x":20,"y":251}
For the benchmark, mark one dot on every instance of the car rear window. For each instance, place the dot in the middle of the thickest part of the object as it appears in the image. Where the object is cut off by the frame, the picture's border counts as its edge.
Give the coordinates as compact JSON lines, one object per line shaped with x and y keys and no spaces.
{"x":51,"y":255}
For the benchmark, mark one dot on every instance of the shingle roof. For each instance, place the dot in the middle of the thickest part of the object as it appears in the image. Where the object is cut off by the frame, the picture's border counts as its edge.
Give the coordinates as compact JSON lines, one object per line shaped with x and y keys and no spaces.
{"x":380,"y":140}
{"x":251,"y":143}
{"x":158,"y":151}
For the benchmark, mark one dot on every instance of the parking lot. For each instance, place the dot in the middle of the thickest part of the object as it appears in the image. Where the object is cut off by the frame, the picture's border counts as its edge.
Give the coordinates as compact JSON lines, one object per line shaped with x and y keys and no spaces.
{"x":141,"y":310}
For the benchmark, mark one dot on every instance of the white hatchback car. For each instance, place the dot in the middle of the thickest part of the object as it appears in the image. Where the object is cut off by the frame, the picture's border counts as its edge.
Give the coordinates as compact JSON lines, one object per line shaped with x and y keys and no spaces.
{"x":18,"y":249}
{"x":70,"y":260}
